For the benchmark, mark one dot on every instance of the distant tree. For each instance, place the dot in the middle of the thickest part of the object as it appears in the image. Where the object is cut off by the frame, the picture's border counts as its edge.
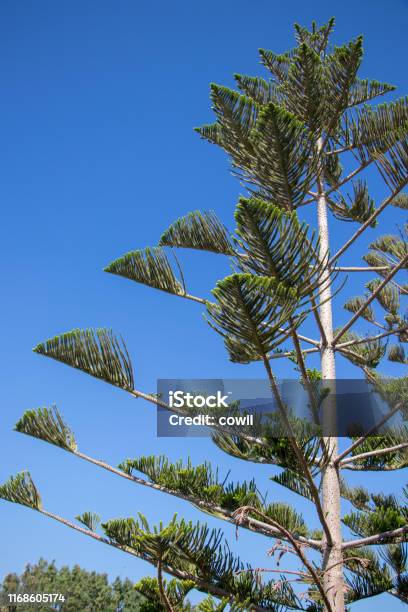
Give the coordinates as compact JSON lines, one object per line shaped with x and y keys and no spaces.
{"x":82,"y":590}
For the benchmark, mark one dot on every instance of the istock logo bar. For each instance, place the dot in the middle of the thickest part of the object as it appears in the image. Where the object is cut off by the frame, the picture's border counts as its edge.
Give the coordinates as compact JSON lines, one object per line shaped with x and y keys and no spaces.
{"x":197,"y":407}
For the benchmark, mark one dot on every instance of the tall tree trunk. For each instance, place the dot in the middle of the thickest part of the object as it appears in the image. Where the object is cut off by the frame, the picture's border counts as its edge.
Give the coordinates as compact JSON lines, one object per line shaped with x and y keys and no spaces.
{"x":333,"y":580}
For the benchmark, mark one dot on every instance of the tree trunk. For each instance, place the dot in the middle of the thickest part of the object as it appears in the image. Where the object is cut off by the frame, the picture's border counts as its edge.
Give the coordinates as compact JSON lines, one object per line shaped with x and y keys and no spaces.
{"x":333,"y":580}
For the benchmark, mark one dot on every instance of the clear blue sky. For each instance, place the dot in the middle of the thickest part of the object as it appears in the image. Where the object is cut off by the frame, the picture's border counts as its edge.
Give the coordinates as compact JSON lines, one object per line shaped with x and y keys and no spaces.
{"x":98,"y":157}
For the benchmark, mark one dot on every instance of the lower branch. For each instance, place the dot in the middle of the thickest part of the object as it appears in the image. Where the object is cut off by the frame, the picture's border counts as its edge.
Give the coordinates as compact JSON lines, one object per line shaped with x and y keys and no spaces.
{"x":222,"y":513}
{"x":240,"y":515}
{"x":201,"y":585}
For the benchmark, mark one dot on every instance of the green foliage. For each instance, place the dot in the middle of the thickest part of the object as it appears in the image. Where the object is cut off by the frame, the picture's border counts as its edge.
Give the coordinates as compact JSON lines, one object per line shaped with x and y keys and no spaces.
{"x":203,"y":484}
{"x":97,"y":352}
{"x":361,"y":205}
{"x":209,"y":605}
{"x":392,"y":246}
{"x":269,"y":147}
{"x":259,"y":90}
{"x":274,"y":453}
{"x":396,"y":353}
{"x":245,"y":306}
{"x":401,"y":201}
{"x":196,"y":230}
{"x":91,"y":520}
{"x":276,"y":244}
{"x":372,"y":131}
{"x":283,"y":146}
{"x":354,"y":304}
{"x":293,"y":481}
{"x":203,"y":555}
{"x":48,"y":425}
{"x":150,"y":267}
{"x":364,"y":354}
{"x":364,"y":90}
{"x":393,"y":460}
{"x":176,"y":591}
{"x":303,"y":87}
{"x":384,"y":517}
{"x":20,"y":489}
{"x":341,"y":68}
{"x":277,"y":64}
{"x":357,"y":496}
{"x":83,"y":590}
{"x":388,"y":297}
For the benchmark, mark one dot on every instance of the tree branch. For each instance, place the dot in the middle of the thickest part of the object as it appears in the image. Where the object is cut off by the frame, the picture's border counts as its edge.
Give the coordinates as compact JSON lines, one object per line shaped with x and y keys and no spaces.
{"x":345,"y":180}
{"x":371,"y":431}
{"x":240,"y":514}
{"x":378,"y":538}
{"x":374,"y":453}
{"x":290,"y":353}
{"x":361,"y":268}
{"x":304,"y":338}
{"x":367,"y":223}
{"x":202,"y":585}
{"x":368,"y":301}
{"x":371,"y":338}
{"x":223,"y":513}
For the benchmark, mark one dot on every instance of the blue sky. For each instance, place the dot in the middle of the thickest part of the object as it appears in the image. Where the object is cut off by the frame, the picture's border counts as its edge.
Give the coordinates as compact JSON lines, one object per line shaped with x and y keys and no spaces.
{"x":98,"y":157}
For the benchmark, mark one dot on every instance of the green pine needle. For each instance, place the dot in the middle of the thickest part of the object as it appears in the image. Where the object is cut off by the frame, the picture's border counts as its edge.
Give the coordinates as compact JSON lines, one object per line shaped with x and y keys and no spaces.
{"x":20,"y":489}
{"x":97,"y":352}
{"x":150,"y":267}
{"x":91,"y":520}
{"x":196,"y":230}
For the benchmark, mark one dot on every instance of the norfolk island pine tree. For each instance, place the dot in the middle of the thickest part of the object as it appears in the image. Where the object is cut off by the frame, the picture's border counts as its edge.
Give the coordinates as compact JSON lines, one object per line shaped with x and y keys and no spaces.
{"x":302,"y":136}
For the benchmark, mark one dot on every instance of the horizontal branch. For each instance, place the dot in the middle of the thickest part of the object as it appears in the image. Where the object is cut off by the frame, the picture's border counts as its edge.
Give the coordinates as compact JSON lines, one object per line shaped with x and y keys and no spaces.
{"x":375,"y":453}
{"x":378,"y":538}
{"x":371,"y":338}
{"x":290,"y":353}
{"x":303,"y":338}
{"x":360,"y":268}
{"x":253,"y":524}
{"x":194,"y":298}
{"x":371,"y":431}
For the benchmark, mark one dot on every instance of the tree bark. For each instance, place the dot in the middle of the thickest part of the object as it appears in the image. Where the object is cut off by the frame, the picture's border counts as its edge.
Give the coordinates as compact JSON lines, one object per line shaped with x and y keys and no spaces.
{"x":333,"y":580}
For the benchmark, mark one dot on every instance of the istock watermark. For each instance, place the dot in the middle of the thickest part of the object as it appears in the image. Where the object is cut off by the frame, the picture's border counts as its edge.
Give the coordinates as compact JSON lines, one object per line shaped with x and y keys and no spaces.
{"x":180,"y":399}
{"x":247,"y":407}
